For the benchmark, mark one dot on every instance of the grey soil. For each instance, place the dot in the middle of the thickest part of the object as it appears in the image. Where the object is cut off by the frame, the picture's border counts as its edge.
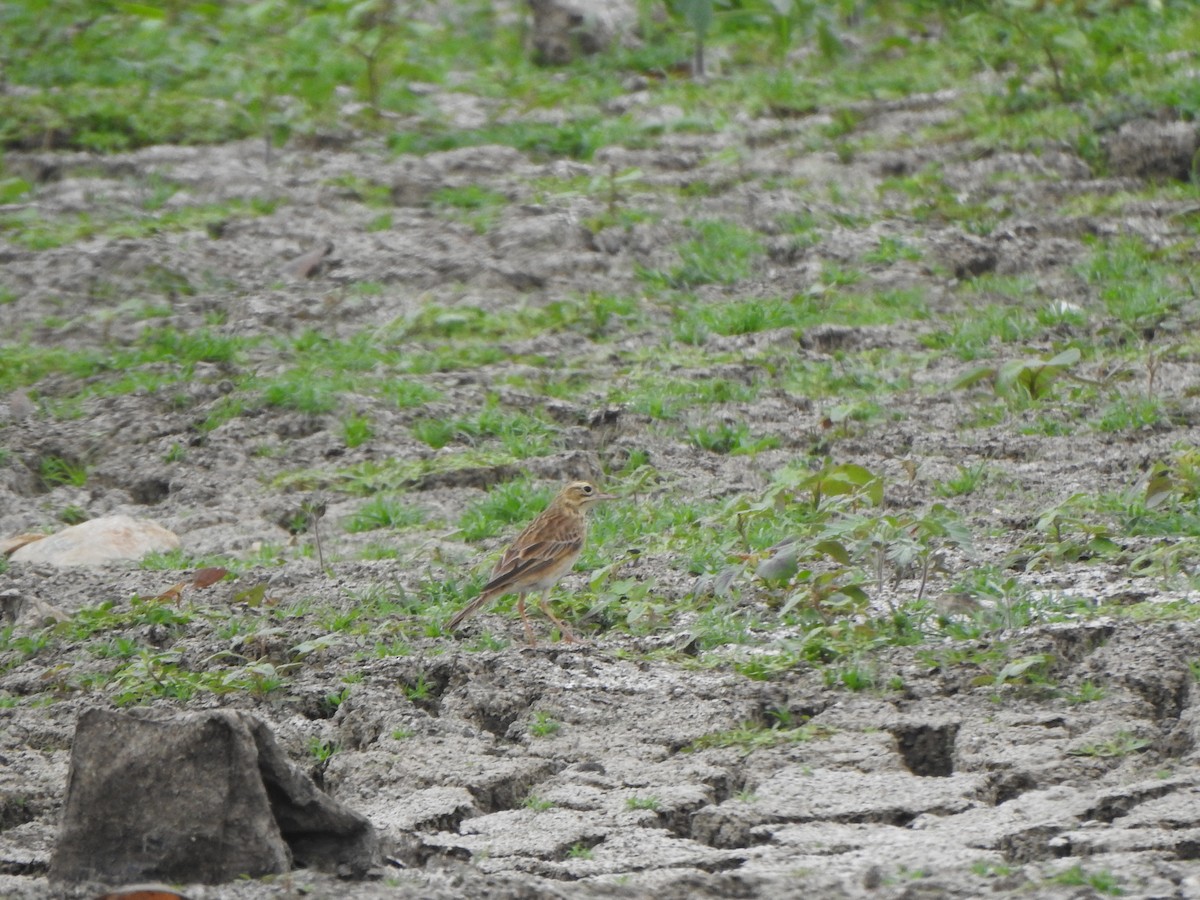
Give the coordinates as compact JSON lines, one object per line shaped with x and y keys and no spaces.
{"x":946,"y":788}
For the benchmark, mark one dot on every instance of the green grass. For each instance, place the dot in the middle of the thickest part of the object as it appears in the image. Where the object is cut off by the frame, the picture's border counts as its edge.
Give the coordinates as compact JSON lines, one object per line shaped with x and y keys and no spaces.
{"x":407,"y":394}
{"x":980,"y":332}
{"x":1103,"y":881}
{"x":720,"y":253}
{"x":1139,"y":286}
{"x":662,"y":397}
{"x":394,"y":475}
{"x":277,"y":74}
{"x":159,"y":356}
{"x":356,"y":431}
{"x":304,"y":392}
{"x":520,"y":434}
{"x":33,"y":230}
{"x":55,"y":471}
{"x":650,"y":803}
{"x":384,"y":512}
{"x":967,"y":480}
{"x":543,"y":724}
{"x":472,"y":205}
{"x":733,"y":439}
{"x":695,"y":321}
{"x":505,"y":505}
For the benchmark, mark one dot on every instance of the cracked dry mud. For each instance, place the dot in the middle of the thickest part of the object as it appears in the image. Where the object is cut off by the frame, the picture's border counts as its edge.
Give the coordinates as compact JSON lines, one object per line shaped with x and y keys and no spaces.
{"x":943,"y":788}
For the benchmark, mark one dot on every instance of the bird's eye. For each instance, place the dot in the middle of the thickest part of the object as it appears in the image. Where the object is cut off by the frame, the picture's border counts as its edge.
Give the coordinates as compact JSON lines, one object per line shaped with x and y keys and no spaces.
{"x":587,"y":488}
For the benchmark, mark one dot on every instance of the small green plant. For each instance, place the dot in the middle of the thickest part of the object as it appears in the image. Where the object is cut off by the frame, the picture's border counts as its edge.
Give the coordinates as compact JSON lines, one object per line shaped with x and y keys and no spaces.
{"x":473,"y":205}
{"x":652,"y":803}
{"x":1087,"y":692}
{"x":356,"y":431}
{"x":580,"y":851}
{"x":384,"y":649}
{"x":987,"y":869}
{"x":1122,"y":743}
{"x":407,"y":394}
{"x":733,"y":439}
{"x":321,"y":750}
{"x":1032,"y":669}
{"x":1131,"y":414}
{"x":151,"y":675}
{"x":891,"y":250}
{"x":1071,"y":533}
{"x":72,"y":515}
{"x":384,"y":512}
{"x":721,"y":253}
{"x":402,"y":734}
{"x":537,"y":804}
{"x":420,"y":689}
{"x":259,"y":679}
{"x":117,"y":648}
{"x":306,"y":393}
{"x":698,"y":14}
{"x":437,"y":433}
{"x":854,"y":678}
{"x":1103,"y":882}
{"x":55,"y":471}
{"x":543,"y":724}
{"x":747,"y":316}
{"x":967,"y":480}
{"x":1024,"y":379}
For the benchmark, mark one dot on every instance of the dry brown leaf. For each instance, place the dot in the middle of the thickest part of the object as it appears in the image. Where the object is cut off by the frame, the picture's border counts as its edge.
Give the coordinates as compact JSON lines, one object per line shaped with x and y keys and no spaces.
{"x":174,"y":593}
{"x":143,"y":892}
{"x":208,"y":577}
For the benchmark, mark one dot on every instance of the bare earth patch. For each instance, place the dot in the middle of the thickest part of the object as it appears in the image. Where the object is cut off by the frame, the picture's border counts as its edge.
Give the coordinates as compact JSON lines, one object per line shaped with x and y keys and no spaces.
{"x":1021,"y":759}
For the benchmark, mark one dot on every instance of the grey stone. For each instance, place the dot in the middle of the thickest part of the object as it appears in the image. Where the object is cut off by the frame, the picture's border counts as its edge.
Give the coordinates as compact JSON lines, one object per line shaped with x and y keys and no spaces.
{"x":205,"y":797}
{"x":1149,"y":149}
{"x":564,"y":30}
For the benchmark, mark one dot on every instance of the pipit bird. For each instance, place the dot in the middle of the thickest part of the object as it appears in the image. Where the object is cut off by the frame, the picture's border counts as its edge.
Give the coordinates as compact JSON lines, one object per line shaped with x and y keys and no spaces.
{"x":543,"y":553}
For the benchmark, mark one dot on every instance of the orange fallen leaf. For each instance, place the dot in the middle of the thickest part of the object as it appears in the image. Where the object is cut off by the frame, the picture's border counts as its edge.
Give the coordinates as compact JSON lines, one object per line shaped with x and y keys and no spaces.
{"x":208,"y":577}
{"x":143,"y":892}
{"x":174,"y":593}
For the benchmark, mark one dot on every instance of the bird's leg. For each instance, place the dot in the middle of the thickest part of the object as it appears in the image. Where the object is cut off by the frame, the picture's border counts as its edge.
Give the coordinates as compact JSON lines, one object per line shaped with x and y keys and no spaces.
{"x":525,"y":618}
{"x":568,"y":636}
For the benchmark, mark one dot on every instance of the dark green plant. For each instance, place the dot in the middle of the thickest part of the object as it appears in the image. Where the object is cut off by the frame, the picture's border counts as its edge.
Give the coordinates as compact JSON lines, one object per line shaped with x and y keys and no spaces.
{"x":321,"y":750}
{"x":55,"y":471}
{"x":543,"y":724}
{"x":1030,"y":379}
{"x":698,"y":14}
{"x":643,"y":803}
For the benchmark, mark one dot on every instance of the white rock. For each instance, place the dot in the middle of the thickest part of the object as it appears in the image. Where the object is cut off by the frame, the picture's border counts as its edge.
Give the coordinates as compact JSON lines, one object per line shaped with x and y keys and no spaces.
{"x":99,"y":541}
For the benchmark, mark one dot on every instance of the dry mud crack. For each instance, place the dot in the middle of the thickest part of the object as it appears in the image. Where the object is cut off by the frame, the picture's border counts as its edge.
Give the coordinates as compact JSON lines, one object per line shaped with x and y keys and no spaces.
{"x":942,"y":783}
{"x":616,"y":768}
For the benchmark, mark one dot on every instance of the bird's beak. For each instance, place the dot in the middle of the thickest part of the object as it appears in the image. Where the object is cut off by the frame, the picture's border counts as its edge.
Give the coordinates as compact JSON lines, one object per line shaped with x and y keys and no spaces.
{"x":605,"y":497}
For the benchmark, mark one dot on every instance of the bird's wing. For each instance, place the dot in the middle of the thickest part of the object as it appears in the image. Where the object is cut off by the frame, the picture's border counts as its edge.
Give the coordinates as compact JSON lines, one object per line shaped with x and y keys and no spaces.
{"x":518,"y":564}
{"x":523,"y":560}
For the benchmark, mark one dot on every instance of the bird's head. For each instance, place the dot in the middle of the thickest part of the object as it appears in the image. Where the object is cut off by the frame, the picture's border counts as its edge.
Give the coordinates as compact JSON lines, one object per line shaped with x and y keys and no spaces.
{"x":582,"y":495}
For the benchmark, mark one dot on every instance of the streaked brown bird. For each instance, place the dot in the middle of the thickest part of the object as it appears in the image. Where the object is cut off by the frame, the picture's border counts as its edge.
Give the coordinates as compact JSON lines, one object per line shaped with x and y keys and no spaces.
{"x":542,"y":554}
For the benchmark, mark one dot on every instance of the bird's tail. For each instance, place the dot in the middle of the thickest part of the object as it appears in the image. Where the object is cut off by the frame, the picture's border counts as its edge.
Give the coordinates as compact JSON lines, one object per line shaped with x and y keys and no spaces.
{"x":470,"y":609}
